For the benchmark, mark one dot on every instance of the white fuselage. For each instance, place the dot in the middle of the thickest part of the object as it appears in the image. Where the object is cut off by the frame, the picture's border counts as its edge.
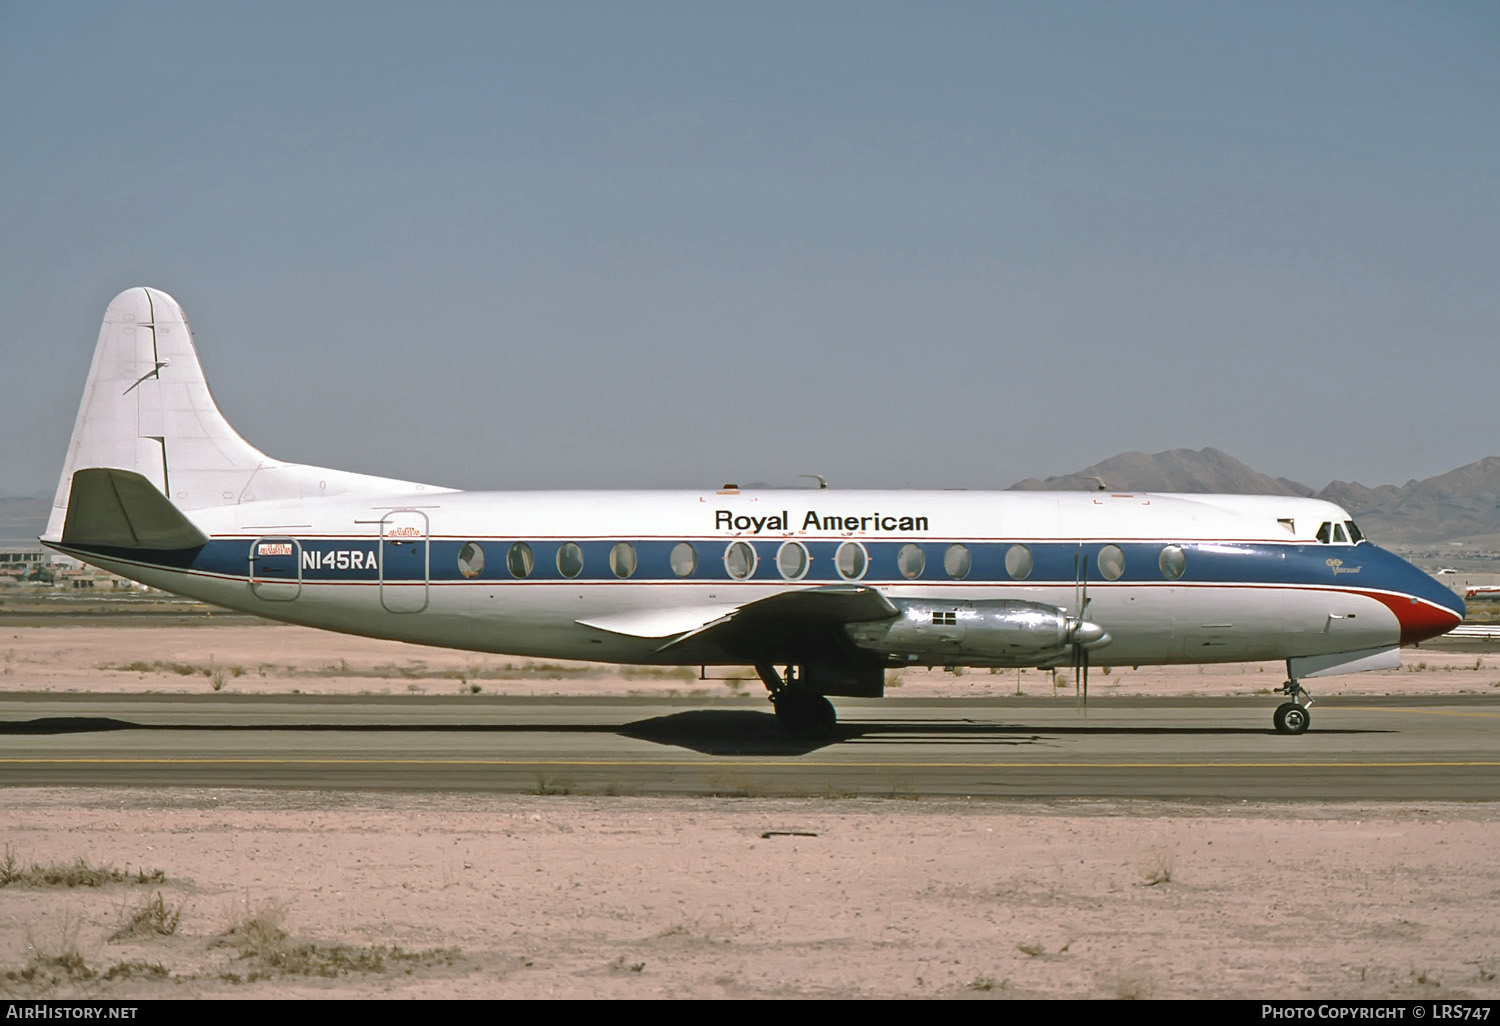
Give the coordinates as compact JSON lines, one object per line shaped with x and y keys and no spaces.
{"x":1253,"y":582}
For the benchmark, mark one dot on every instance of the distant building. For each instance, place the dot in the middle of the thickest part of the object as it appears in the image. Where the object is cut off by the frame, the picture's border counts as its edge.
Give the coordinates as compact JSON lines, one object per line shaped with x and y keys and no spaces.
{"x":58,"y":570}
{"x":22,"y":562}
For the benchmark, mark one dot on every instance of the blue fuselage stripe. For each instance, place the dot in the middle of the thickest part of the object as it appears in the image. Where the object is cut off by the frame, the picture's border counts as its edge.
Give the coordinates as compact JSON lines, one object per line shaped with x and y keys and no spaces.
{"x":369,"y":560}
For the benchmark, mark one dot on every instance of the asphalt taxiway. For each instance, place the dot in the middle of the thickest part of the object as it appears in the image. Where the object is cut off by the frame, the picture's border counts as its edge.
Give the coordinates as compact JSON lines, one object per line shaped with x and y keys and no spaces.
{"x":1404,"y":748}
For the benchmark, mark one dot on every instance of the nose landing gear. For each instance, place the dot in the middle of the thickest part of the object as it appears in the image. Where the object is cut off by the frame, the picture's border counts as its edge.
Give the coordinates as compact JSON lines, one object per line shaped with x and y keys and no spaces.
{"x":1295,"y":716}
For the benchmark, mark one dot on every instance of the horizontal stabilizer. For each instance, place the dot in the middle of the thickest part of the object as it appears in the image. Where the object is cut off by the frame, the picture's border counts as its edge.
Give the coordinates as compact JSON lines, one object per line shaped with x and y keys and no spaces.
{"x":112,"y":508}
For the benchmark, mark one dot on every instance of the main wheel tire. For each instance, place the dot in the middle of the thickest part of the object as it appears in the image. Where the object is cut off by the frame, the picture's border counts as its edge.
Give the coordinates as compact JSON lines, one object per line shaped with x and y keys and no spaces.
{"x":1291,"y":718}
{"x":828,"y":717}
{"x":803,"y":714}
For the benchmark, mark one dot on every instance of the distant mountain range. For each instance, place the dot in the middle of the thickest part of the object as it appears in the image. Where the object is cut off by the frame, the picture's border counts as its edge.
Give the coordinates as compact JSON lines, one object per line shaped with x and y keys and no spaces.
{"x":1461,"y":506}
{"x":1458,"y":509}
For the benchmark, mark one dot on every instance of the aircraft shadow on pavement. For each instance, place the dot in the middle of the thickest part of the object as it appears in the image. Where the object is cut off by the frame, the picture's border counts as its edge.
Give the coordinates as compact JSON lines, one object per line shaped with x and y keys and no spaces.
{"x":744,"y":732}
{"x":722,"y":732}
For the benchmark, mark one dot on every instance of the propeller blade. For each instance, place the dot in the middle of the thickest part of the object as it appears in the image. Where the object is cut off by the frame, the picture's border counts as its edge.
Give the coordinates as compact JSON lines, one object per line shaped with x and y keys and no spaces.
{"x":1080,"y":653}
{"x":1080,"y":592}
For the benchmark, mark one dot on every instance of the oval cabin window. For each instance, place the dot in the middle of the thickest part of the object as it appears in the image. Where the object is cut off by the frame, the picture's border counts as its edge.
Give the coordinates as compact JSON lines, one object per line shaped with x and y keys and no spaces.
{"x":791,"y":560}
{"x":470,"y":560}
{"x":739,"y":560}
{"x":958,"y":562}
{"x":684,"y":559}
{"x":1018,"y":562}
{"x":851,"y":560}
{"x":519,"y":560}
{"x":569,"y":559}
{"x":622,"y":559}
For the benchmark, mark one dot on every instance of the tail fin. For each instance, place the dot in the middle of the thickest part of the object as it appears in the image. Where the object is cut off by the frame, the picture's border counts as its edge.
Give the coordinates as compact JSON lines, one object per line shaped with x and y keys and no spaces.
{"x":147,"y":409}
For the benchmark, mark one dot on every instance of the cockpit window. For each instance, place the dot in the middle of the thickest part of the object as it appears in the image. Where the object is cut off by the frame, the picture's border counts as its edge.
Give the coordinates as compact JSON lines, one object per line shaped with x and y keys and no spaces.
{"x":1339,"y":537}
{"x":1325,"y":532}
{"x":1355,"y":534}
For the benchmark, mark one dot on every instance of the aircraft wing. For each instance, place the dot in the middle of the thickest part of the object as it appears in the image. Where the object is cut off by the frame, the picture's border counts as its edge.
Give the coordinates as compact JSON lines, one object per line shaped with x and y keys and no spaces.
{"x":830,"y":604}
{"x":807,"y":609}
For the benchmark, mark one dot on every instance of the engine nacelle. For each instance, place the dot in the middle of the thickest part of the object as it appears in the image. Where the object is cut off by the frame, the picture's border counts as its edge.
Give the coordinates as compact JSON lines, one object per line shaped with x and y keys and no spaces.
{"x":999,"y":632}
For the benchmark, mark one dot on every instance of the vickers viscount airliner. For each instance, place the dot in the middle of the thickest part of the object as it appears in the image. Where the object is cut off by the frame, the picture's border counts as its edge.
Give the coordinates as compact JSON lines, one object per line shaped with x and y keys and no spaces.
{"x":821,"y":590}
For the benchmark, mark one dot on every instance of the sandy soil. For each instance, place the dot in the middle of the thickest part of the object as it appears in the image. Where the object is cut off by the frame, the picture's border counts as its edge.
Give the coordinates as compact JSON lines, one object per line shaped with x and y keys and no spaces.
{"x":520,"y":896}
{"x":526,"y":896}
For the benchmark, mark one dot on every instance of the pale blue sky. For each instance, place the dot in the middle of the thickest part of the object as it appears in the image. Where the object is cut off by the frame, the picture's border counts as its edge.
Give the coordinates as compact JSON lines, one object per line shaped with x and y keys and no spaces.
{"x":926,"y":245}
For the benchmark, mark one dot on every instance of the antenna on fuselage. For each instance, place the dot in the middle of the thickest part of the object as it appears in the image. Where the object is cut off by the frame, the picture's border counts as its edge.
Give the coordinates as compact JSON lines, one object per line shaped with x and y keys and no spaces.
{"x":822,"y":481}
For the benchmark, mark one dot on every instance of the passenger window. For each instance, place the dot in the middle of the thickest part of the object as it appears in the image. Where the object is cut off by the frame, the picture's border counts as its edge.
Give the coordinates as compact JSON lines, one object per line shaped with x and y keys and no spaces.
{"x":622,"y":559}
{"x":911,"y":561}
{"x":1173,"y":562}
{"x":684,"y":559}
{"x":791,"y":560}
{"x":1339,"y":537}
{"x":1018,"y":562}
{"x":739,"y":560}
{"x":958,"y":562}
{"x":470,"y":560}
{"x":1111,"y":562}
{"x":851,"y":560}
{"x":1324,"y":532}
{"x":569,"y":559}
{"x":518,"y":560}
{"x":1355,"y":534}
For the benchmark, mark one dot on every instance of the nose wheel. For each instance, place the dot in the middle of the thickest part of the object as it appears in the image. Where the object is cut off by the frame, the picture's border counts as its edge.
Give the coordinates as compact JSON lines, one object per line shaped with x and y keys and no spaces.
{"x":1295,"y":716}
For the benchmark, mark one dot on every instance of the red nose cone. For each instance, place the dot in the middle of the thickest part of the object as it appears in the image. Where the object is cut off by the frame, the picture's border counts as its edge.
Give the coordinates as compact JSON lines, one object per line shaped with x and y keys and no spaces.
{"x":1420,"y":619}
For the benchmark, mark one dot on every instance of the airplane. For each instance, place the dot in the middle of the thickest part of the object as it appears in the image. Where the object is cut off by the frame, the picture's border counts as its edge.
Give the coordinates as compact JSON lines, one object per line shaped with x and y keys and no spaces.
{"x":821,"y":590}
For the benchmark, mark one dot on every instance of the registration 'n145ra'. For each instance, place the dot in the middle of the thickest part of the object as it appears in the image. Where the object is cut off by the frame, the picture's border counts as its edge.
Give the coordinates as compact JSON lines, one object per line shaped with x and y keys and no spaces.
{"x":339,"y":559}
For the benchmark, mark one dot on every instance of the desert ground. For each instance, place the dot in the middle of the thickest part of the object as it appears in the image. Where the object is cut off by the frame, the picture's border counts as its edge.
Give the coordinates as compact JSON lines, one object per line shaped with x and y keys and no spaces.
{"x":269,"y":894}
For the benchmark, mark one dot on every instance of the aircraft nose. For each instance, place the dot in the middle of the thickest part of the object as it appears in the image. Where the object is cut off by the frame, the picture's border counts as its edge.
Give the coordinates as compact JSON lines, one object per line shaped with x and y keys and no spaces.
{"x":1422,"y":620}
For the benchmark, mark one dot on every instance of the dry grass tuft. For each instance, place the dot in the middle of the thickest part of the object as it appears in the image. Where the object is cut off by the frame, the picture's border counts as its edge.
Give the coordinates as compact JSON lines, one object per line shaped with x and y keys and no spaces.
{"x":153,"y":919}
{"x":136,"y":970}
{"x":1157,"y":869}
{"x":1133,"y":986}
{"x":70,"y":874}
{"x":46,"y":970}
{"x":268,"y":950}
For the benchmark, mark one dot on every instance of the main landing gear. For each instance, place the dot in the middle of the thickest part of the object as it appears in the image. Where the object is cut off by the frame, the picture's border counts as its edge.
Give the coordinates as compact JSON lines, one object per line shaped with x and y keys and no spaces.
{"x":1293,"y":717}
{"x":802,"y":712}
